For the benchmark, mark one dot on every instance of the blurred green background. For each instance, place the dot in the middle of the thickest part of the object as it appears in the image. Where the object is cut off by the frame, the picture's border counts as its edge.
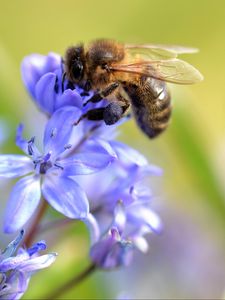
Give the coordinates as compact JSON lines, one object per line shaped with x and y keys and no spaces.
{"x":188,"y":259}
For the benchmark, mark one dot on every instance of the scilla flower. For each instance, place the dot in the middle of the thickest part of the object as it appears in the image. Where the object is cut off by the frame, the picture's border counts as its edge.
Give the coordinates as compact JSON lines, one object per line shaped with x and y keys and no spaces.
{"x":49,"y":173}
{"x":43,"y":78}
{"x":121,"y":207}
{"x":119,"y":202}
{"x":16,"y":269}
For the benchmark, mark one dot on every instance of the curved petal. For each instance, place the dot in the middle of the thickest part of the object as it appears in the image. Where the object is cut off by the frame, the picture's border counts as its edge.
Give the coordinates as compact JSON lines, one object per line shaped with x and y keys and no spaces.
{"x":16,"y":285}
{"x":66,"y":196}
{"x":98,"y":146}
{"x":85,"y":163}
{"x":127,"y":154}
{"x":13,"y":262}
{"x":142,"y":215}
{"x":69,"y":98}
{"x":22,"y":203}
{"x":59,"y":128}
{"x":27,"y":146}
{"x":36,"y":65}
{"x":20,"y":141}
{"x":45,"y":92}
{"x":37,"y":263}
{"x":93,"y":227}
{"x":11,"y":248}
{"x":12,"y":166}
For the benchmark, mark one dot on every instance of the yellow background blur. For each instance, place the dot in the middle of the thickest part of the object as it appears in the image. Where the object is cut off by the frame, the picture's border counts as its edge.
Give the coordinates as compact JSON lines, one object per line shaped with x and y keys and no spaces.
{"x":188,"y":259}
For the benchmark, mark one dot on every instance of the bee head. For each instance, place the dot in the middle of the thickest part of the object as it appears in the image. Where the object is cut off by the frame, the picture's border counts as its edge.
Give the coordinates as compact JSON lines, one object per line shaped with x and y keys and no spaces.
{"x":75,"y":63}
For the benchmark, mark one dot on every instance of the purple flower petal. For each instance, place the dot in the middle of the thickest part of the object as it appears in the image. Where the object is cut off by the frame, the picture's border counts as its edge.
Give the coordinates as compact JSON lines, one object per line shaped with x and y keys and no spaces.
{"x":34,"y":66}
{"x":22,"y":203}
{"x":45,"y":93}
{"x":66,"y":196}
{"x":141,"y":243}
{"x":13,"y":262}
{"x":59,"y":129}
{"x":119,"y":217}
{"x":143,"y":215}
{"x":12,"y":166}
{"x":69,"y":98}
{"x":16,"y":285}
{"x":127,"y":154}
{"x":28,"y":147}
{"x":20,"y":141}
{"x":93,"y":227}
{"x":100,"y":250}
{"x":85,"y":163}
{"x":111,"y":251}
{"x":37,"y":263}
{"x":11,"y":248}
{"x":98,"y":146}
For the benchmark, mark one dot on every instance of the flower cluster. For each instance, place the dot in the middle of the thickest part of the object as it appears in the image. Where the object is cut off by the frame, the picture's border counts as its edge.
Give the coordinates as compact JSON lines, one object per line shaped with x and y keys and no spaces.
{"x":81,"y":171}
{"x":16,"y":269}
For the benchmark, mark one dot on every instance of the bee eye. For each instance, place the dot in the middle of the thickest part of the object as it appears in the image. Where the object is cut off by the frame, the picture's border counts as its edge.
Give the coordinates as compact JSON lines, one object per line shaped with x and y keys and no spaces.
{"x":77,"y":70}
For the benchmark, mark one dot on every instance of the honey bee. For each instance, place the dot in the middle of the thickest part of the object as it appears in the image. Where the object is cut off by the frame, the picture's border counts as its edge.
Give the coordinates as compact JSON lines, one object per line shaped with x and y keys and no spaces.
{"x":130,"y":75}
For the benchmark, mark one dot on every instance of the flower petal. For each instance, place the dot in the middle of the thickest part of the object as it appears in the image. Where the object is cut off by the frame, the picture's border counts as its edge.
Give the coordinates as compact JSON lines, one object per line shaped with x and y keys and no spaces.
{"x":13,"y":262}
{"x":36,"y":65}
{"x":69,"y":98}
{"x":22,"y":203}
{"x":127,"y":154}
{"x":16,"y":285}
{"x":45,"y":93}
{"x":98,"y":146}
{"x":93,"y":227}
{"x":66,"y":196}
{"x":37,"y":263}
{"x":85,"y":163}
{"x":143,"y":215}
{"x":59,"y":128}
{"x":12,"y":166}
{"x":119,"y":217}
{"x":11,"y":248}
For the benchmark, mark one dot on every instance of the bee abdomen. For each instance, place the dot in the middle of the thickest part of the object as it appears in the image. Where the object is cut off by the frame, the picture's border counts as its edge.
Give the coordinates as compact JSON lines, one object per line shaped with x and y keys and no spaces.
{"x":160,"y":116}
{"x":151,"y":105}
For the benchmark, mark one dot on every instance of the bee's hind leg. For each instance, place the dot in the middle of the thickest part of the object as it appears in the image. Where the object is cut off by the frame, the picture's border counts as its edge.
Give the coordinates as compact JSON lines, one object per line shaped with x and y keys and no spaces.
{"x":109,"y":114}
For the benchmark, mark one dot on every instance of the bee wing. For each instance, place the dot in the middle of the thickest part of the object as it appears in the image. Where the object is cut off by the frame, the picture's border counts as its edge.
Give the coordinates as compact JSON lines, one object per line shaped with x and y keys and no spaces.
{"x":152,"y":51}
{"x":170,"y":70}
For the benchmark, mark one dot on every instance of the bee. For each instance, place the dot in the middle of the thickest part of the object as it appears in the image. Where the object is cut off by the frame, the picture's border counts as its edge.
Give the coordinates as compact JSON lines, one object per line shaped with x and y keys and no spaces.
{"x":129,"y":75}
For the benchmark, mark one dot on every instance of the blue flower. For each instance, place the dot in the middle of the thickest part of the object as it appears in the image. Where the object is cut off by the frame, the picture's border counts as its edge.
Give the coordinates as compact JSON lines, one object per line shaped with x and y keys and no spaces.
{"x":113,"y":250}
{"x":43,"y":78}
{"x":121,"y":208}
{"x":120,"y":213}
{"x":17,"y":269}
{"x":66,"y":153}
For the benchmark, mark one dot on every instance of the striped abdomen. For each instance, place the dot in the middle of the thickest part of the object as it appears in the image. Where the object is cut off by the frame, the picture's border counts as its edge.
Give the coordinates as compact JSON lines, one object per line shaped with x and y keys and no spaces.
{"x":151,"y":105}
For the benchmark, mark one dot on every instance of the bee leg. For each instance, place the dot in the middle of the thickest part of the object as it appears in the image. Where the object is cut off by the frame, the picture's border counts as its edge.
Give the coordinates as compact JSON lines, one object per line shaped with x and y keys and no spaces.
{"x":103,"y":94}
{"x":92,"y":115}
{"x":113,"y":113}
{"x":109,"y":114}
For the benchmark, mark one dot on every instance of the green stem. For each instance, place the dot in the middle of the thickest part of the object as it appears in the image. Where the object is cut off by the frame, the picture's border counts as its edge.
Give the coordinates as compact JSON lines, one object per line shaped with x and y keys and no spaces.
{"x":72,"y":282}
{"x":34,"y":227}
